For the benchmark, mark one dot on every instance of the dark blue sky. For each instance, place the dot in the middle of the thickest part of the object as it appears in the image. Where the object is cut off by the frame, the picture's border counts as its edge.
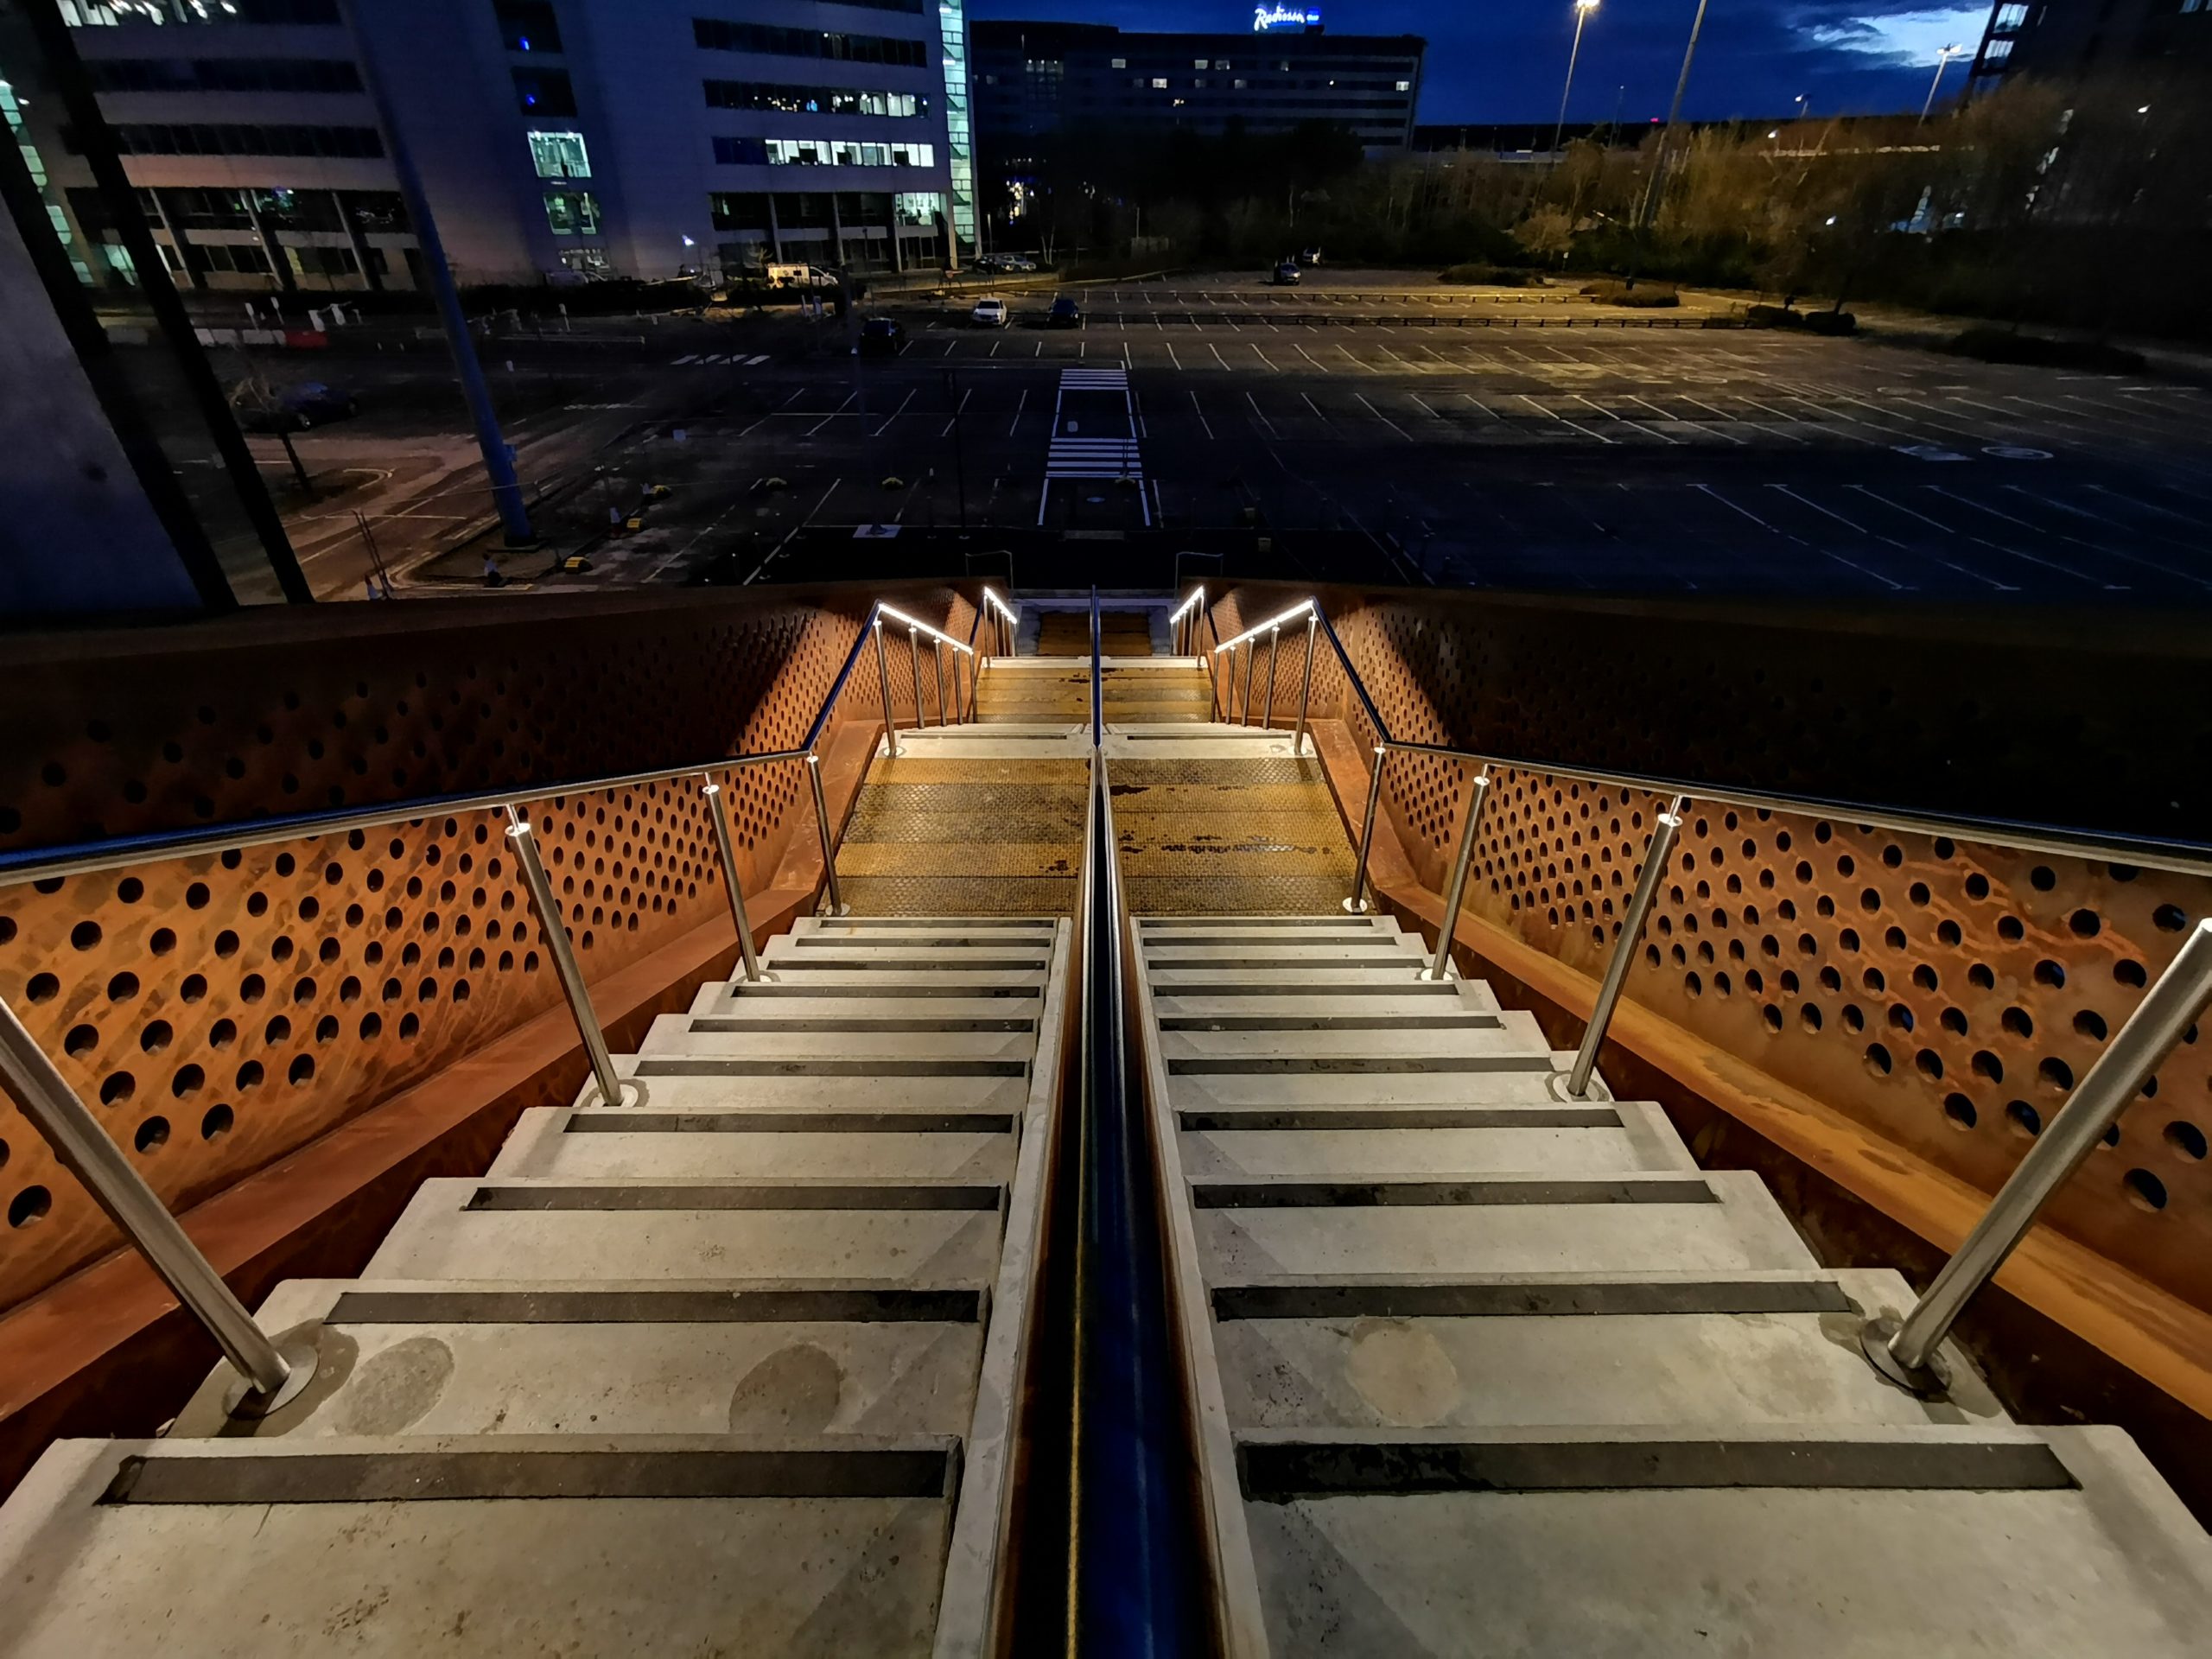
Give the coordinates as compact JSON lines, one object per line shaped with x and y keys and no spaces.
{"x":1504,"y":60}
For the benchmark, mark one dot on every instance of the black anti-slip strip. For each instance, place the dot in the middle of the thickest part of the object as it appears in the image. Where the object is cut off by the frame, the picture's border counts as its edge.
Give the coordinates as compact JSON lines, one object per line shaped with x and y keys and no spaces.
{"x":706,"y":1065}
{"x":865,"y":1305}
{"x":738,"y":1195}
{"x":1416,"y":1300}
{"x":1278,"y":1472}
{"x":1295,"y":1194}
{"x":912,"y":1471}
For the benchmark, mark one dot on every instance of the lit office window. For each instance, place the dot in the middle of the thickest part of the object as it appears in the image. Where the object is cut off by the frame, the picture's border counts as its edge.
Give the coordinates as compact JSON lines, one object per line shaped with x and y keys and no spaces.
{"x":1160,"y":83}
{"x":1405,"y":85}
{"x":1201,"y":63}
{"x":572,"y":213}
{"x":1118,"y":63}
{"x":560,"y":155}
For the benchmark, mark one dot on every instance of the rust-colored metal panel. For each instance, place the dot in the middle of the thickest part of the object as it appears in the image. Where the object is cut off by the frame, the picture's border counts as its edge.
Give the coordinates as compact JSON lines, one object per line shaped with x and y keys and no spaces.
{"x":1944,"y":992}
{"x":220,"y":1011}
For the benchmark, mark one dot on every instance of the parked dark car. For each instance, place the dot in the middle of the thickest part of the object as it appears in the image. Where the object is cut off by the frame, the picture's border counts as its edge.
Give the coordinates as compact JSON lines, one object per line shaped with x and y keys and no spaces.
{"x":292,"y":409}
{"x":882,"y":337}
{"x":1309,"y":256}
{"x":1287,"y":274}
{"x":1065,"y":314}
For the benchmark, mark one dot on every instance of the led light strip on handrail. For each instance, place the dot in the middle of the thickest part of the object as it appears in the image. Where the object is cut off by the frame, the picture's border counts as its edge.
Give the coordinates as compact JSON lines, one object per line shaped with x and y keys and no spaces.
{"x":1004,"y":609}
{"x":1182,"y":610}
{"x":920,"y":626}
{"x":1290,"y":615}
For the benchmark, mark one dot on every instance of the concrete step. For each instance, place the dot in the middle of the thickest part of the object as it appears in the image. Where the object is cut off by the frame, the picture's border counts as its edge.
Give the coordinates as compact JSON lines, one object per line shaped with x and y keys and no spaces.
{"x":673,"y":1036}
{"x":1531,"y":1080}
{"x":964,"y":948}
{"x":1419,"y":1001}
{"x":557,"y":1142}
{"x":1496,"y":1224}
{"x":478,"y":1546}
{"x":1711,"y":1351}
{"x":1014,"y":990}
{"x":429,"y":1357}
{"x":1354,"y":1151}
{"x":1269,"y":955}
{"x":1321,"y":1014}
{"x":1514,"y":1039}
{"x":669,"y":1229}
{"x":714,"y":1008}
{"x":1827,"y":1541}
{"x":1399,"y":975}
{"x":851,"y":958}
{"x":711,"y":1086}
{"x":812,"y":977}
{"x":894,"y":927}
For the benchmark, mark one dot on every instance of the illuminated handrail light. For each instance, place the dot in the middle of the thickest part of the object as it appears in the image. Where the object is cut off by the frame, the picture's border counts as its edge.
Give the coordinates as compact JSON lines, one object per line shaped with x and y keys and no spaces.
{"x":1185,"y":607}
{"x":1005,"y":609}
{"x":1290,"y":615}
{"x":920,"y":626}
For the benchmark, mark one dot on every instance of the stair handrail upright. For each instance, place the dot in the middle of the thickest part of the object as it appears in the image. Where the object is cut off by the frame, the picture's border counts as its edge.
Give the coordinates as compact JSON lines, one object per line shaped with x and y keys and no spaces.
{"x":269,"y":1376}
{"x":1902,"y":1350}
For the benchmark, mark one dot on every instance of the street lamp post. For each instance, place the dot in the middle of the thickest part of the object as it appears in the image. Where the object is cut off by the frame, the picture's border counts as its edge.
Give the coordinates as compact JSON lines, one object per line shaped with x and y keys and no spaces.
{"x":1942,"y":62}
{"x":1674,"y":114}
{"x":1582,"y":10}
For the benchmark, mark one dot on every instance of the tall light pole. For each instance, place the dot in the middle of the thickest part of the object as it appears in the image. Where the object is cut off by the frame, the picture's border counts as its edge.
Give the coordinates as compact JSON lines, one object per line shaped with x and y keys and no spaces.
{"x":1582,"y":10}
{"x":1674,"y":114}
{"x":1942,"y":62}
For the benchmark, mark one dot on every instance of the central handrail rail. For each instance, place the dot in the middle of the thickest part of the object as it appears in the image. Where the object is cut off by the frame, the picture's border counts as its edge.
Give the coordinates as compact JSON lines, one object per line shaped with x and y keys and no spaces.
{"x":1905,"y":1351}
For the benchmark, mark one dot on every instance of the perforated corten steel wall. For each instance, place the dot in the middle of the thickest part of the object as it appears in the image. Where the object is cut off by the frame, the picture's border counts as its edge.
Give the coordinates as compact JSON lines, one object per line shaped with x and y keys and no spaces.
{"x":1945,"y":993}
{"x":220,"y":1011}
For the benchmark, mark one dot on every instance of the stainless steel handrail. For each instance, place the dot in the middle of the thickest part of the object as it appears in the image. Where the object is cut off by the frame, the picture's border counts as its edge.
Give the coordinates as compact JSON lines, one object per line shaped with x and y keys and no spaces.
{"x":269,"y":1376}
{"x":121,"y":852}
{"x":1902,"y":1350}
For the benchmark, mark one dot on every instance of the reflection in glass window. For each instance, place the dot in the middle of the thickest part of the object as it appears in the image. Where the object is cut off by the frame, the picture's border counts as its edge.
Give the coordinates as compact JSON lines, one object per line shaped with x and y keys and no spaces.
{"x":560,"y":155}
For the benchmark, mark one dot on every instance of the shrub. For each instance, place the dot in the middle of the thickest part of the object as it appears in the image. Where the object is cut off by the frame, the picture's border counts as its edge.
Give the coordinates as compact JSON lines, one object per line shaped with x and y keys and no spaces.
{"x":1492,"y":276}
{"x":2004,"y":346}
{"x":1644,"y":295}
{"x":1813,"y":323}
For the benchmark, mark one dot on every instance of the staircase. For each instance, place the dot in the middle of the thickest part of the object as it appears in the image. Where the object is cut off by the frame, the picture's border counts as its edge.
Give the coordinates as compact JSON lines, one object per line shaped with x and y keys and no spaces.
{"x":1480,"y":1368}
{"x":731,"y":1367}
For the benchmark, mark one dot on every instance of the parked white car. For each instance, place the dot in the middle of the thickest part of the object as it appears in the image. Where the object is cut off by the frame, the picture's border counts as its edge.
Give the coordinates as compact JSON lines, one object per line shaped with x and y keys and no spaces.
{"x":989,"y":314}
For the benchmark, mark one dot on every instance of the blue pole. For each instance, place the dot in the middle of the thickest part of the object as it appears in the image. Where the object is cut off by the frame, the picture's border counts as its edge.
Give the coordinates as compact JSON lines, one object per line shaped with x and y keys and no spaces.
{"x":499,"y":460}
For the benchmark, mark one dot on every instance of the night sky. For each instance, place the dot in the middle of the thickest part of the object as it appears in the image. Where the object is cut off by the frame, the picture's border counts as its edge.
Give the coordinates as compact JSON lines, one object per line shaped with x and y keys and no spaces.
{"x":1504,"y":60}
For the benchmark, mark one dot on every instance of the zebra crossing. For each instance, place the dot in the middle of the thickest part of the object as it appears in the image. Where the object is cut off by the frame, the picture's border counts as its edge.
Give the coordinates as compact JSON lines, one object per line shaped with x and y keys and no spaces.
{"x":731,"y":359}
{"x":1110,"y":453}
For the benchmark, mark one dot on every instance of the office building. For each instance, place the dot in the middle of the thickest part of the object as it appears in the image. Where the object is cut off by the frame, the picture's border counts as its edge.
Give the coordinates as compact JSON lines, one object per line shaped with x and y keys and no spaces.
{"x":1031,"y":79}
{"x":2073,"y":40}
{"x":593,"y":137}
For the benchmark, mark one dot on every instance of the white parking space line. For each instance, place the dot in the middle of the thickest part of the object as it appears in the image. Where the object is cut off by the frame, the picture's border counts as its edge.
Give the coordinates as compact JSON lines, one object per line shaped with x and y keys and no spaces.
{"x":894,"y":415}
{"x":678,"y":363}
{"x":1263,"y":358}
{"x":1198,"y":409}
{"x":959,"y":409}
{"x":1310,"y":358}
{"x":830,"y":416}
{"x":1218,"y":358}
{"x":2029,"y":558}
{"x":1708,"y":490}
{"x":2147,"y":506}
{"x":1362,"y":361}
{"x":1172,"y":357}
{"x":1562,"y":419}
{"x":1260,"y":414}
{"x":1316,"y":408}
{"x":1385,"y":419}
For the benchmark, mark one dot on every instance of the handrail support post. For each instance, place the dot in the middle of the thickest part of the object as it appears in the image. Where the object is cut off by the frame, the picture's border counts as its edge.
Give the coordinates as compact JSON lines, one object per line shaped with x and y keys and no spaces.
{"x":883,"y":683}
{"x":1358,"y":904}
{"x":1905,"y":1352}
{"x":1609,"y":989}
{"x":1306,"y":682}
{"x":727,"y":851}
{"x":269,"y":1376}
{"x":564,"y":958}
{"x":1275,"y":648}
{"x":1478,"y":793}
{"x":829,"y":849}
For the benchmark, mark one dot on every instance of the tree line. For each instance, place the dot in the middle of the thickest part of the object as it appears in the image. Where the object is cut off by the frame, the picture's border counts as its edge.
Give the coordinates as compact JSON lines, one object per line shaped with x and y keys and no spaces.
{"x":2088,"y":204}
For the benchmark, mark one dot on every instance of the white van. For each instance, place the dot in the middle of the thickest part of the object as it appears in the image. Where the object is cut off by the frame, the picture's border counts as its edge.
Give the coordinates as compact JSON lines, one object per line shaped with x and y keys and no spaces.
{"x":800,"y":276}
